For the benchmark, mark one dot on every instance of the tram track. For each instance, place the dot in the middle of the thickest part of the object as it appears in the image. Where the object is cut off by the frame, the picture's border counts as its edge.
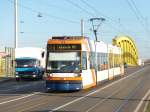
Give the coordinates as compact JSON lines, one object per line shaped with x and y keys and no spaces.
{"x":129,"y":96}
{"x":99,"y":90}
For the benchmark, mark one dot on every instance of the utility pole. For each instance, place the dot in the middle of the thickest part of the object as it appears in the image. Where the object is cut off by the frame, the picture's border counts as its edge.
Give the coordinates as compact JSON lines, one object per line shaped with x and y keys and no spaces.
{"x":15,"y":33}
{"x":82,"y":28}
{"x":96,"y":22}
{"x":15,"y":24}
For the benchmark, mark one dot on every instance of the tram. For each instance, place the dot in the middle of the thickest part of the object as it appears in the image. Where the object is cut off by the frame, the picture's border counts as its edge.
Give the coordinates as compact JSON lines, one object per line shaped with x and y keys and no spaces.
{"x":76,"y":62}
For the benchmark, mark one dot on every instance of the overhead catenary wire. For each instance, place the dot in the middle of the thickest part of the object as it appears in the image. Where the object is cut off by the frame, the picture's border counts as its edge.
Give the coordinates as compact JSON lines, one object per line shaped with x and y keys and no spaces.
{"x":78,"y":6}
{"x":46,"y":14}
{"x":62,"y":8}
{"x":56,"y":17}
{"x":97,"y":11}
{"x":138,"y":15}
{"x":58,"y":7}
{"x":107,"y":17}
{"x":137,"y":10}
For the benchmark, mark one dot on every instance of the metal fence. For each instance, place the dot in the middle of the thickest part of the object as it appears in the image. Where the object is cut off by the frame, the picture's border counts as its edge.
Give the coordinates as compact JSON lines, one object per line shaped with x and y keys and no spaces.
{"x":7,"y":63}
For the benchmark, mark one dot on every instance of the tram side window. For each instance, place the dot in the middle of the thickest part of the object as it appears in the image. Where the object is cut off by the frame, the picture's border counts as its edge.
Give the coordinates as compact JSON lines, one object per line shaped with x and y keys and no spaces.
{"x":115,"y":60}
{"x":98,"y":61}
{"x":111,"y":60}
{"x":103,"y":61}
{"x":118,"y":60}
{"x":106,"y":61}
{"x":92,"y":60}
{"x":84,"y":61}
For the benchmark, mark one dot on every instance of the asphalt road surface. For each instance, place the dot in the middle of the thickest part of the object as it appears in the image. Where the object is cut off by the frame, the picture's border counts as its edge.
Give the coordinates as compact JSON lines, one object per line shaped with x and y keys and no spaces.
{"x":128,"y":93}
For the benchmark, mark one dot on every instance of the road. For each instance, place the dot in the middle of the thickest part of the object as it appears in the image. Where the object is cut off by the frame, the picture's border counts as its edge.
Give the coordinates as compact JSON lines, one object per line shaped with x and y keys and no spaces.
{"x":123,"y":94}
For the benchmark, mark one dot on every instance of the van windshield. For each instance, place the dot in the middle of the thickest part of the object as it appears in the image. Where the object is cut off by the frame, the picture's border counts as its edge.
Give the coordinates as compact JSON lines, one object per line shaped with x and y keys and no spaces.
{"x":25,"y":63}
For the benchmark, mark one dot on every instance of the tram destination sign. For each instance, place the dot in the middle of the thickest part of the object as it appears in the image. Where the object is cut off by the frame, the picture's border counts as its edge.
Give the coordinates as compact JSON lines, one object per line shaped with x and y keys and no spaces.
{"x":55,"y":47}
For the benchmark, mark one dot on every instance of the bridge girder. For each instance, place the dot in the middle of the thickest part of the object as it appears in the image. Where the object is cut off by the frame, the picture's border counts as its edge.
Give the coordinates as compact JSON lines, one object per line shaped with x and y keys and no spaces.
{"x":128,"y":48}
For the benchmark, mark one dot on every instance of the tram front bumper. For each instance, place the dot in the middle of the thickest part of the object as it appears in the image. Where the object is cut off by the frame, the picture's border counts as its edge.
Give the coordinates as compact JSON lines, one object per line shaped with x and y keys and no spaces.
{"x":64,"y":85}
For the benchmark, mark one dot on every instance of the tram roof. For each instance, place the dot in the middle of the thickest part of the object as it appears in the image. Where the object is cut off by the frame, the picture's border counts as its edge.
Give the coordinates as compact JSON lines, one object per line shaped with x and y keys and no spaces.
{"x":67,"y":40}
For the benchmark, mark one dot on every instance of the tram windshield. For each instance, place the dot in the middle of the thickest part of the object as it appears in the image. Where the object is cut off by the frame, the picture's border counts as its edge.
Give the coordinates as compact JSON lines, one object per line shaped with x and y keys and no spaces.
{"x":64,"y":62}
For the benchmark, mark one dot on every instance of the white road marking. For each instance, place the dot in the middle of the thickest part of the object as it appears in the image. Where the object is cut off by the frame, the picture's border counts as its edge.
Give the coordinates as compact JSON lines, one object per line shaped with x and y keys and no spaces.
{"x":146,"y":105}
{"x":25,"y":96}
{"x":141,"y":102}
{"x":9,"y":98}
{"x":103,"y":100}
{"x":78,"y":99}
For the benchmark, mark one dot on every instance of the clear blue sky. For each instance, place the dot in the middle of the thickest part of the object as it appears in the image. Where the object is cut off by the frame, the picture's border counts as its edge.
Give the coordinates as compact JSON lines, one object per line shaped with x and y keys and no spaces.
{"x":62,"y":17}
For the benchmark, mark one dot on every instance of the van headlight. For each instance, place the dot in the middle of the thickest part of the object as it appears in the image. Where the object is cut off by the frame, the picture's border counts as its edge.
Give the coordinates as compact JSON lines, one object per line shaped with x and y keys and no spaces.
{"x":50,"y":75}
{"x":34,"y":76}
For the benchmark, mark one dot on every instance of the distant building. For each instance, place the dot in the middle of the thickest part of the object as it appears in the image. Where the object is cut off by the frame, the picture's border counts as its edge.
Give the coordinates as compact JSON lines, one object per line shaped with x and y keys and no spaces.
{"x":2,"y":63}
{"x":6,"y":58}
{"x":3,"y":54}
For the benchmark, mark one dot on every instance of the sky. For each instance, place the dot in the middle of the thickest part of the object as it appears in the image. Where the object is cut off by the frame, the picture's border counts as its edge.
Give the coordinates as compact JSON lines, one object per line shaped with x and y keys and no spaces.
{"x":62,"y":17}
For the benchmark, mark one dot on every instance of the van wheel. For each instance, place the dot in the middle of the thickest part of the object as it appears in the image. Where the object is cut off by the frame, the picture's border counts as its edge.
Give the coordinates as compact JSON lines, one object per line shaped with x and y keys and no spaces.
{"x":17,"y":79}
{"x":41,"y":77}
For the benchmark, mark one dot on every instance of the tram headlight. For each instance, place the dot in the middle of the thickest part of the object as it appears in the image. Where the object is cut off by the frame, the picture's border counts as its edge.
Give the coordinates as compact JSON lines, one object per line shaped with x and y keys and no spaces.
{"x":76,"y":75}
